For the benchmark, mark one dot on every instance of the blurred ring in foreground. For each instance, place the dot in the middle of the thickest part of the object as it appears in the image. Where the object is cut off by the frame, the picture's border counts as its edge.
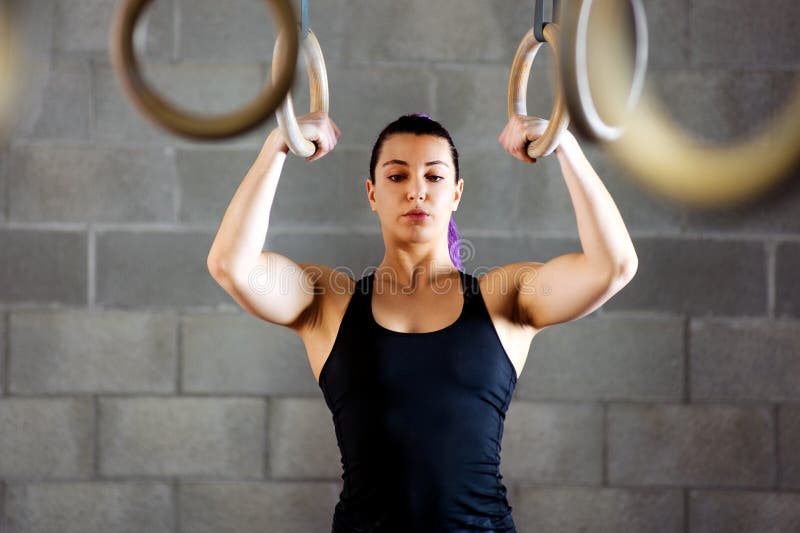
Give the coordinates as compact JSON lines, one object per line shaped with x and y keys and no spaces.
{"x":162,"y":113}
{"x":669,"y":160}
{"x":574,"y":66}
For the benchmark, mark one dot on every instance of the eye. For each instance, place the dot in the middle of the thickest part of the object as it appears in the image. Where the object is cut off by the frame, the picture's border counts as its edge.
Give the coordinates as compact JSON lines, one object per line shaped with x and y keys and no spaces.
{"x":438,"y":178}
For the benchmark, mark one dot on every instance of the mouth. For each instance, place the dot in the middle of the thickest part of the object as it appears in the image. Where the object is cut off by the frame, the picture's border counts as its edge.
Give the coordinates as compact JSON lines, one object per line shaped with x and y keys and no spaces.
{"x":416,"y":214}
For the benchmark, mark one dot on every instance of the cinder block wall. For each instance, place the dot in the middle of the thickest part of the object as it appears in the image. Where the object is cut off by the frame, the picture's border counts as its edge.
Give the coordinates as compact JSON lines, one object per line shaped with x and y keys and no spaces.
{"x":137,"y":396}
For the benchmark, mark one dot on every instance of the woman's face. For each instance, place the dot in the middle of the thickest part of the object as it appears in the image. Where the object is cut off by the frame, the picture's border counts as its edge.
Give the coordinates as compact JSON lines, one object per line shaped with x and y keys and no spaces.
{"x":415,"y":171}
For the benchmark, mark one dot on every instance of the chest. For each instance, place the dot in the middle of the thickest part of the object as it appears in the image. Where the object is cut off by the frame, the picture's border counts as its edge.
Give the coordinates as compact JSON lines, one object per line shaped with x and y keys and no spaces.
{"x":419,"y":314}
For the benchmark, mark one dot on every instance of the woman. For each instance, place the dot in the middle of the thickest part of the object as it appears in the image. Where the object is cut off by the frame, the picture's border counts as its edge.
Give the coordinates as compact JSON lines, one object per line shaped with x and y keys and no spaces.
{"x":418,"y":360}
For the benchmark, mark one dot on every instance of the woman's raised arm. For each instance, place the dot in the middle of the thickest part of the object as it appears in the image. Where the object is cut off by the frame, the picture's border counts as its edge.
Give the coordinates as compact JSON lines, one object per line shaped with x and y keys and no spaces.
{"x":266,"y":284}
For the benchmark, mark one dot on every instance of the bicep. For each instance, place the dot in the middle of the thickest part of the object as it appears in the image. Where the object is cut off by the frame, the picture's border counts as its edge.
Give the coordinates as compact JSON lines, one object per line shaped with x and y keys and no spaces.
{"x":566,"y":288}
{"x":276,"y":289}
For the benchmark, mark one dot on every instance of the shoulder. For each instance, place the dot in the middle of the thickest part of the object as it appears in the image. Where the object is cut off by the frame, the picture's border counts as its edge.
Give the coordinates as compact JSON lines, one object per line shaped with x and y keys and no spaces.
{"x":500,"y":288}
{"x":332,"y":291}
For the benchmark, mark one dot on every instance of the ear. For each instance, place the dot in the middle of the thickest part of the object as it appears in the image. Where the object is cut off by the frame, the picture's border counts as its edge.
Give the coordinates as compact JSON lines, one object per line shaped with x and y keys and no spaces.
{"x":370,"y":192}
{"x":458,"y":193}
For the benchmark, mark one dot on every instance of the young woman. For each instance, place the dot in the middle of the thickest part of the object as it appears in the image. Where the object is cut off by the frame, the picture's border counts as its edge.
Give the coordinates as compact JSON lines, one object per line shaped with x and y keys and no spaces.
{"x":418,"y":360}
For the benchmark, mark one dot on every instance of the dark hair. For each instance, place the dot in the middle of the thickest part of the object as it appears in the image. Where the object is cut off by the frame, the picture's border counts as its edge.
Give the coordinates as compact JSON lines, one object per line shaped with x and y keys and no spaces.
{"x":422,"y":124}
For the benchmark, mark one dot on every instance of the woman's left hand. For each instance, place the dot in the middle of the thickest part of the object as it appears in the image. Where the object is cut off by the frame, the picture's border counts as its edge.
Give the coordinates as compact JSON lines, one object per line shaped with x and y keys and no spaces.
{"x":520,"y":131}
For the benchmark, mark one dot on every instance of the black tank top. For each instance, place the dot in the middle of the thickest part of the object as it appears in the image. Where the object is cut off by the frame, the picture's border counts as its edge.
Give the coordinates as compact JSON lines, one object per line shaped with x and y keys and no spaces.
{"x":419,"y":420}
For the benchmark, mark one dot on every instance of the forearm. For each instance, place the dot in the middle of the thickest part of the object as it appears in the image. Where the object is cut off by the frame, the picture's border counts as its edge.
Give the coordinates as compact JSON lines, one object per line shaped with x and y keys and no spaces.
{"x":603,"y":235}
{"x":243,"y":229}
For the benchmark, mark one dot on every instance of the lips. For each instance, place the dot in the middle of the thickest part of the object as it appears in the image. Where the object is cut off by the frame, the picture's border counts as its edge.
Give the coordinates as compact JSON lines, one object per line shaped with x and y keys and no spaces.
{"x":416,"y":212}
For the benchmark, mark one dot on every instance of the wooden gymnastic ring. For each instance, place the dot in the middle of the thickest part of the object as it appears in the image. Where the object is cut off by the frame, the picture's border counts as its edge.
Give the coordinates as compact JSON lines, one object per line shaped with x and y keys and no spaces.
{"x":667,"y":159}
{"x":317,"y":90}
{"x":163,"y":113}
{"x":574,"y":69}
{"x":518,"y":91}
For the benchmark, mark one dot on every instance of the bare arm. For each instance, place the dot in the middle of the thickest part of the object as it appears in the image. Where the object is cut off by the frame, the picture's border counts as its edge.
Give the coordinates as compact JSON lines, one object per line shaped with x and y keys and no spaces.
{"x":579,"y":283}
{"x":266,"y":284}
{"x":573,"y":285}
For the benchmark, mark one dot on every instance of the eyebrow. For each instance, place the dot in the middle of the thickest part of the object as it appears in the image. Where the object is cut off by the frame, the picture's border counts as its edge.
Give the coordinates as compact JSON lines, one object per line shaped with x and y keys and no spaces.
{"x":401,"y":162}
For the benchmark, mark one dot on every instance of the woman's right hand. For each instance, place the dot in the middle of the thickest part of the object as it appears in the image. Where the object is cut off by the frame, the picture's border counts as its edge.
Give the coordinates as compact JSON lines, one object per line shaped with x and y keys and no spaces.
{"x":318,"y":128}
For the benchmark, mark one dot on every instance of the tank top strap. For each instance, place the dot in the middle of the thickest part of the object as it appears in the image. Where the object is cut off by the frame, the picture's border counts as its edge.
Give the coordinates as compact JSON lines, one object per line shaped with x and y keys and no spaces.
{"x":472,"y":291}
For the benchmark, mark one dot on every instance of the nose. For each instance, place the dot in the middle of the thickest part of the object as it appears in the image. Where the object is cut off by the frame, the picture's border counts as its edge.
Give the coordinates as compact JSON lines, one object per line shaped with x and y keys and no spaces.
{"x":417,"y":189}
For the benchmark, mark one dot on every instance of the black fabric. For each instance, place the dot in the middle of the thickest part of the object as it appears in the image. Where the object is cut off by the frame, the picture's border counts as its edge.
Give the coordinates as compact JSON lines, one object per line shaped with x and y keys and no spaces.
{"x":419,"y":421}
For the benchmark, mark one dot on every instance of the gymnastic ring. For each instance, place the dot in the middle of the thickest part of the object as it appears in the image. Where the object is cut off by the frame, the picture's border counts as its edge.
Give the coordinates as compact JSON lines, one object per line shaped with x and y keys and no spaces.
{"x":518,"y":91}
{"x":667,"y":159}
{"x":163,"y":113}
{"x":574,"y":69}
{"x":317,"y":90}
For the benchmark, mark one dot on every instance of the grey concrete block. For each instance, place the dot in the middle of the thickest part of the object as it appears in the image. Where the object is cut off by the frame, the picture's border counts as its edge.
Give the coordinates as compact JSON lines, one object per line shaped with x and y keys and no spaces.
{"x":290,"y":507}
{"x":155,"y":269}
{"x":239,"y":353}
{"x":33,"y":21}
{"x":79,"y":183}
{"x":206,"y":89}
{"x":771,"y":212}
{"x":155,"y":34}
{"x":42,"y":266}
{"x":90,"y":352}
{"x":743,"y":511}
{"x":3,"y":181}
{"x":54,"y":101}
{"x":553,"y":443}
{"x":82,"y":26}
{"x":607,"y":358}
{"x":641,"y":208}
{"x":787,"y":289}
{"x":232,"y":30}
{"x":586,"y":509}
{"x":308,"y":193}
{"x":219,"y":437}
{"x":543,"y":201}
{"x":226,"y":30}
{"x":302,"y":440}
{"x":668,"y":32}
{"x":490,"y":190}
{"x":735,"y":33}
{"x":696,"y":276}
{"x":744,"y":361}
{"x":90,"y":507}
{"x":692,"y":445}
{"x":53,"y":438}
{"x":789,"y":445}
{"x":4,"y":336}
{"x":116,"y":119}
{"x":353,"y":254}
{"x":471,"y":99}
{"x":486,"y":253}
{"x":472,"y":30}
{"x":366,"y":98}
{"x":355,"y":210}
{"x":208,"y":179}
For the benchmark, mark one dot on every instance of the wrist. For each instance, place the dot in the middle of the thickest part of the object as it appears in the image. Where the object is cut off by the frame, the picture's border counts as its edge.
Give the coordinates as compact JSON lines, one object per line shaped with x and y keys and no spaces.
{"x":275,"y":142}
{"x":567,"y":143}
